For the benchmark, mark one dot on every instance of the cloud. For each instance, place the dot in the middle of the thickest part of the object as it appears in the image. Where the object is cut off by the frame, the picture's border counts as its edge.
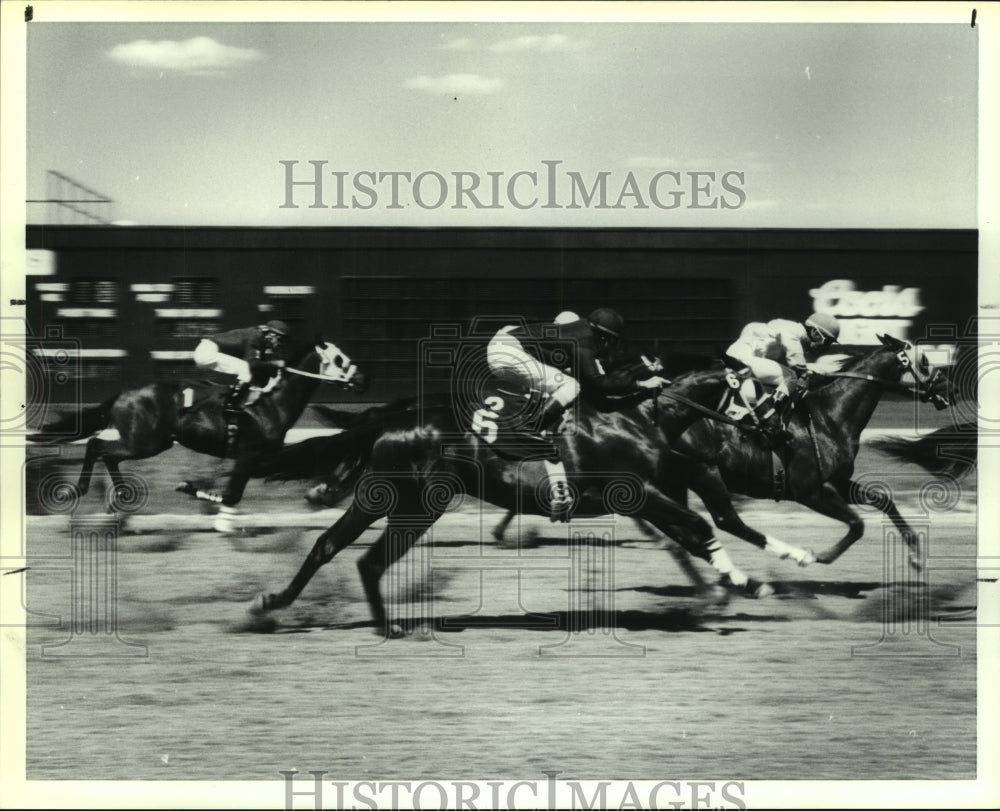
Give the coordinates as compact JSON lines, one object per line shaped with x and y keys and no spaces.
{"x":553,"y":43}
{"x":200,"y":56}
{"x":467,"y":83}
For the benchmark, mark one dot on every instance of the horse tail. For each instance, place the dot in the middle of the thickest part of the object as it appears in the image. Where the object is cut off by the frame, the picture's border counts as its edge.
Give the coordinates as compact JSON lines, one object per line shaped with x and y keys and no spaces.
{"x":949,"y":451}
{"x":75,"y":425}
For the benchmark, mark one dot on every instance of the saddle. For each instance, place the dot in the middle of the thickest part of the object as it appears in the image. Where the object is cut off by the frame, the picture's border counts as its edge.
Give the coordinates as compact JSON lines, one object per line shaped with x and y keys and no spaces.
{"x":507,"y":418}
{"x":195,"y":395}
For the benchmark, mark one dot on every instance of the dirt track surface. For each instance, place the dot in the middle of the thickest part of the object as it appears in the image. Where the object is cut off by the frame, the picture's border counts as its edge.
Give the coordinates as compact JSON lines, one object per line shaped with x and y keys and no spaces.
{"x":596,"y":660}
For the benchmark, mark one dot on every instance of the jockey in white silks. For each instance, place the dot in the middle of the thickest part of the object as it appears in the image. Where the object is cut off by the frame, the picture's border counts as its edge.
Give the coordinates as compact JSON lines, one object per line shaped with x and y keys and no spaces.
{"x":777,"y":352}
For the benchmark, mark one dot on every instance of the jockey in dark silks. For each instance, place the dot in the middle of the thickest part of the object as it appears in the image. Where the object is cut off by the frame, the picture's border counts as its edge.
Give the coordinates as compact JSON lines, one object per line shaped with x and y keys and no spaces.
{"x":253,"y":354}
{"x":777,"y":353}
{"x":563,"y":360}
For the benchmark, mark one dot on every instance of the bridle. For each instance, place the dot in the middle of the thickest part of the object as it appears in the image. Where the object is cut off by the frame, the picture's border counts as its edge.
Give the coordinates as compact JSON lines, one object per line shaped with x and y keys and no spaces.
{"x":344,"y":367}
{"x":924,"y":388}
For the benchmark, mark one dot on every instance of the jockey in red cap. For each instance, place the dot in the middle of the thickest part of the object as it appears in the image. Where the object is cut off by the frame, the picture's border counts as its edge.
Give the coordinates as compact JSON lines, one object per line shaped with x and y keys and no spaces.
{"x":777,"y":352}
{"x":251,"y":353}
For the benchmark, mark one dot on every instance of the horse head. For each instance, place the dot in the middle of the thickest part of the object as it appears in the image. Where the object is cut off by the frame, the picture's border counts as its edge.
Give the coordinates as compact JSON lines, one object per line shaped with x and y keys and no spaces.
{"x":931,"y":386}
{"x":336,"y":367}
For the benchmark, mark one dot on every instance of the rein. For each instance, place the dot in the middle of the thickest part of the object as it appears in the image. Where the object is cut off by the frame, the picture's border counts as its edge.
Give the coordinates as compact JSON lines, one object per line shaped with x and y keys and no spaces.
{"x":894,"y":384}
{"x":324,"y":378}
{"x":715,"y":415}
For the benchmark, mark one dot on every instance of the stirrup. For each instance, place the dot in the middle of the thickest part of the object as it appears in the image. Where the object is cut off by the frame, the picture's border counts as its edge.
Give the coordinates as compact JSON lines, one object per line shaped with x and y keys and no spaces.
{"x":560,"y":502}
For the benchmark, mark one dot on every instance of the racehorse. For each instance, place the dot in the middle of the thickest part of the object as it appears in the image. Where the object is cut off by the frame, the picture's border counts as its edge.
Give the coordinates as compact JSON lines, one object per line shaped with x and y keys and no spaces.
{"x":825,"y":437}
{"x":142,"y":423}
{"x":406,"y":462}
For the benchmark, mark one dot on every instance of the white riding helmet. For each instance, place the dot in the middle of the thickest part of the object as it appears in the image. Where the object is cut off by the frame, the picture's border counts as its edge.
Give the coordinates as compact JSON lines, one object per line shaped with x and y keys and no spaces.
{"x":566,"y":317}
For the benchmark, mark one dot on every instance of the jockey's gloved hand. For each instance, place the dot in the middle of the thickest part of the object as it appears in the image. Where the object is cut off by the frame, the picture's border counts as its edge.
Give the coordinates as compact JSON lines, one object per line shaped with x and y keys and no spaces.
{"x":798,"y":386}
{"x":654,"y":382}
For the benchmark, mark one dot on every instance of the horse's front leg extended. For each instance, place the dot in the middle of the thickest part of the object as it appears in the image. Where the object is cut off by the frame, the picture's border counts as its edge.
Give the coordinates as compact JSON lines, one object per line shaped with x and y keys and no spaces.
{"x":711,"y":489}
{"x":827,"y":501}
{"x":238,"y":478}
{"x":693,"y":533}
{"x":341,"y":535}
{"x":94,"y":446}
{"x":855,"y":493}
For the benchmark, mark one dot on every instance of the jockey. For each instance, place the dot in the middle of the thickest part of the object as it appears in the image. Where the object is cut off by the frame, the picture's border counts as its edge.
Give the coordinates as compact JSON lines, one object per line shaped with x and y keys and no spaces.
{"x":251,"y":353}
{"x":777,"y":352}
{"x":562,"y":360}
{"x":536,"y":355}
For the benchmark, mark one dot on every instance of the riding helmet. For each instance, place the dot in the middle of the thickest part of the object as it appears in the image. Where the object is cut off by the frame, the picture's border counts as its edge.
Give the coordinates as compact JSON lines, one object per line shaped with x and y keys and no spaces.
{"x":279,"y":327}
{"x":826,"y":324}
{"x":607,"y":320}
{"x":566,"y":317}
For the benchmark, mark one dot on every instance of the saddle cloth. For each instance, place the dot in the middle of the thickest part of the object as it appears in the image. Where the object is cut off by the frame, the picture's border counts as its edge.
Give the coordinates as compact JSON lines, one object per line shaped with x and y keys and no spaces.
{"x":506,"y":418}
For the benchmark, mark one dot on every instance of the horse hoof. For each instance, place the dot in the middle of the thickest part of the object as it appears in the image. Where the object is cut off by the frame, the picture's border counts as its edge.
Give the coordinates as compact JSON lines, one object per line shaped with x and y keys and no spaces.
{"x":807,"y":559}
{"x":760,"y":590}
{"x":185,"y":487}
{"x":259,"y":605}
{"x":390,"y":631}
{"x":225,"y":520}
{"x":716,"y":595}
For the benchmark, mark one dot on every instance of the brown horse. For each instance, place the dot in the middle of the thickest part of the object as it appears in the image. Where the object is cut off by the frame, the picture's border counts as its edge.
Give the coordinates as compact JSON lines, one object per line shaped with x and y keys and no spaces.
{"x":819,"y":465}
{"x":142,"y":423}
{"x":406,"y":462}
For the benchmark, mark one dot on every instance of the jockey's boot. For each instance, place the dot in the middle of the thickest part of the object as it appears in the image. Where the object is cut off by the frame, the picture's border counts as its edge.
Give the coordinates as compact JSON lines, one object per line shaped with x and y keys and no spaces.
{"x":784,"y":406}
{"x":234,"y":402}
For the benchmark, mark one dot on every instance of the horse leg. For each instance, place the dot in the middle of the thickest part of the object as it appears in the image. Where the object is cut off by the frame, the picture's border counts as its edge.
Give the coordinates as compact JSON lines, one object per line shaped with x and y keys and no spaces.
{"x":238,"y":478}
{"x":827,"y":501}
{"x":693,"y":533}
{"x":341,"y":535}
{"x":715,"y":495}
{"x":501,"y":527}
{"x":93,"y":453}
{"x":395,"y":542}
{"x":857,"y":494}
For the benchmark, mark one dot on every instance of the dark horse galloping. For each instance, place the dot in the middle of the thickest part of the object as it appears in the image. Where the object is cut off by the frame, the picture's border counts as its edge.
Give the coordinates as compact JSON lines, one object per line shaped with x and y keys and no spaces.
{"x":141,"y":423}
{"x":825,"y":438}
{"x":405,"y":463}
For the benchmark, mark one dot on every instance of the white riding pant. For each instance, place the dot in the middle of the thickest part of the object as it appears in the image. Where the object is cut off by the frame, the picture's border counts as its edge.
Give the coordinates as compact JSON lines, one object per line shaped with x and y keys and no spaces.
{"x":767,"y":371}
{"x":208,"y":356}
{"x":508,"y":361}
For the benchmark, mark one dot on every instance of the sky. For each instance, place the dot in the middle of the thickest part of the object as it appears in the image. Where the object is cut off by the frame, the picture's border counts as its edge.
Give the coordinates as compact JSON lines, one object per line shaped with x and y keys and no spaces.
{"x":791,"y":125}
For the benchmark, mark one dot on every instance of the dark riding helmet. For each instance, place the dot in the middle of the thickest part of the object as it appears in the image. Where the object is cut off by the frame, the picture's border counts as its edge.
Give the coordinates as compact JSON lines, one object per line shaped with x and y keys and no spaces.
{"x":279,"y":327}
{"x":607,"y":321}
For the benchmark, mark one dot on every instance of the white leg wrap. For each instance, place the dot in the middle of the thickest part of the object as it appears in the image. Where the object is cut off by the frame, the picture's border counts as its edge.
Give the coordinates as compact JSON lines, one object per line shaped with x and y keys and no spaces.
{"x":723,"y":564}
{"x":784,"y":550}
